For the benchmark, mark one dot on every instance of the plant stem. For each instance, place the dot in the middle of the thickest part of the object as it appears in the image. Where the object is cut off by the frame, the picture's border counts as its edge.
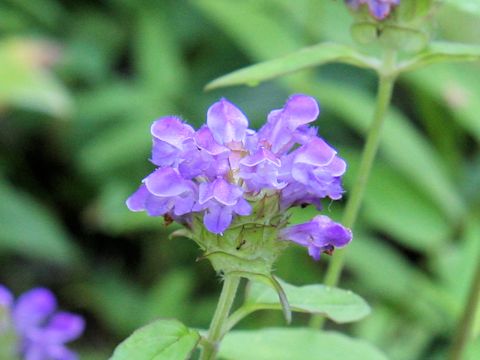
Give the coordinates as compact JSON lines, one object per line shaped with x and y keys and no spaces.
{"x":464,"y":330}
{"x":215,"y":333}
{"x":387,"y":75}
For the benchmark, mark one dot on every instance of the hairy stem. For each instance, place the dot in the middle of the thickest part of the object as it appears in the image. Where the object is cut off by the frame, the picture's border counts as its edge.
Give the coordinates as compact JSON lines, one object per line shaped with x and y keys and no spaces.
{"x":464,"y":330}
{"x":215,"y":333}
{"x":387,"y":75}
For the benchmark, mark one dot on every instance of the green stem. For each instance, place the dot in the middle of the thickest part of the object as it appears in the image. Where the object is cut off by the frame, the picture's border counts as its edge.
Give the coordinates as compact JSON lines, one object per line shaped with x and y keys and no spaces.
{"x":215,"y":333}
{"x":465,"y":327}
{"x":387,"y":75}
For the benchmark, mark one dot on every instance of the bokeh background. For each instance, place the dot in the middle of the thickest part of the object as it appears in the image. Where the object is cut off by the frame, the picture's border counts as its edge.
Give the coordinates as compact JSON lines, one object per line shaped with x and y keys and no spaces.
{"x":80,"y":84}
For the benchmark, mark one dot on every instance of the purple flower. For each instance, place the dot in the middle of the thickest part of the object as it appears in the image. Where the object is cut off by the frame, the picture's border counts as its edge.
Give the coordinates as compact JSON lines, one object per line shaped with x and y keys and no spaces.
{"x":42,"y":331}
{"x":163,"y":191}
{"x":218,"y":172}
{"x":319,"y":235}
{"x":379,"y":9}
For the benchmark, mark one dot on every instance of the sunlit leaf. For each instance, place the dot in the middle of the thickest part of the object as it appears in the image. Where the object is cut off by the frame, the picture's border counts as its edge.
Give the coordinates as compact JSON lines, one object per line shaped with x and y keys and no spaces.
{"x":295,"y":343}
{"x":165,"y":339}
{"x":336,"y":304}
{"x":302,"y":59}
{"x":470,"y":6}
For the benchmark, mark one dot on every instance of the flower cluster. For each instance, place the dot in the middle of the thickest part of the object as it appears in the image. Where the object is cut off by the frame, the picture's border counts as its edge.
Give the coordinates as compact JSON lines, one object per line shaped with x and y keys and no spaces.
{"x":221,"y":170}
{"x":379,"y":9}
{"x":41,"y":331}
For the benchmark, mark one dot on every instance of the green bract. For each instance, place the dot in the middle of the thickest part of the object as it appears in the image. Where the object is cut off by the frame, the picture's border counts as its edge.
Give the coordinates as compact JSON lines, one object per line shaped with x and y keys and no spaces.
{"x":250,"y":245}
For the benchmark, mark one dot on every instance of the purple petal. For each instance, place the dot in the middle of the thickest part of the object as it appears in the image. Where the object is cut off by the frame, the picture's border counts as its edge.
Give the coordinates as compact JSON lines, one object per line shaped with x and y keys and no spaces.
{"x":6,"y":297}
{"x":226,"y":122}
{"x":165,"y":182}
{"x":317,"y":153}
{"x":205,"y":141}
{"x":242,"y":208}
{"x":226,"y":193}
{"x":158,"y":206}
{"x":63,"y":327}
{"x":217,"y":218}
{"x":32,"y":308}
{"x":171,"y":130}
{"x":136,"y":201}
{"x":262,"y":155}
{"x":300,"y":110}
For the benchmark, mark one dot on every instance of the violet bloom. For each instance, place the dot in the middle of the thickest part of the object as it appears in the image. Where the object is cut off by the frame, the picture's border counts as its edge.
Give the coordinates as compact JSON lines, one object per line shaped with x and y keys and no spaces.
{"x":319,"y":235}
{"x":42,"y":331}
{"x":219,"y":172}
{"x":379,"y":9}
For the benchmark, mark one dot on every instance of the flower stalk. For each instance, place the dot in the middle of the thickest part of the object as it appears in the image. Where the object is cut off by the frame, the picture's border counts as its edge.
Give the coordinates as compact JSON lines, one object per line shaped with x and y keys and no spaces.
{"x":387,"y":75}
{"x":216,"y":331}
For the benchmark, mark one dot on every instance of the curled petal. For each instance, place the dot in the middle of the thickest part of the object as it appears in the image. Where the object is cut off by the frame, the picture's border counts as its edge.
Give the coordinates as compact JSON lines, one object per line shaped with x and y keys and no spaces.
{"x":172,"y":131}
{"x":226,"y":122}
{"x":166,"y":182}
{"x":317,"y":153}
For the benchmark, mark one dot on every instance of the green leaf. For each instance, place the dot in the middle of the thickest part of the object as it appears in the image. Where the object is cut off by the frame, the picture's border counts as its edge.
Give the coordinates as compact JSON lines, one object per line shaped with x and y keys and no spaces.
{"x":253,"y":26}
{"x":338,"y":305}
{"x":29,"y":228}
{"x":302,"y":59}
{"x":295,"y":343}
{"x":441,"y":52}
{"x":26,"y":82}
{"x":470,"y":6}
{"x":164,"y":339}
{"x":395,"y":206}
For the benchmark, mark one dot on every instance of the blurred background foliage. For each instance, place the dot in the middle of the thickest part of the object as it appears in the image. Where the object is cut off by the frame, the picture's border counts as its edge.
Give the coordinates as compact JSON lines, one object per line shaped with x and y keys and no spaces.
{"x":80,"y":84}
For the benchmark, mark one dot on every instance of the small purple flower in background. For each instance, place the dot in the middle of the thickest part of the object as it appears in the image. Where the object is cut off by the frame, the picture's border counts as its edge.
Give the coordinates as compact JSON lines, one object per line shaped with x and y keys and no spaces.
{"x":42,"y":331}
{"x":379,"y":9}
{"x":220,"y":171}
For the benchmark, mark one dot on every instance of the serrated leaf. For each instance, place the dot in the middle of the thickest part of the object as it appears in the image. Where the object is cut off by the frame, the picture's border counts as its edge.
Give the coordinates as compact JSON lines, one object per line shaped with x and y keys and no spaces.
{"x":295,"y":343}
{"x":30,"y":229}
{"x":164,"y":339}
{"x":338,"y":305}
{"x":442,"y":52}
{"x":302,"y":59}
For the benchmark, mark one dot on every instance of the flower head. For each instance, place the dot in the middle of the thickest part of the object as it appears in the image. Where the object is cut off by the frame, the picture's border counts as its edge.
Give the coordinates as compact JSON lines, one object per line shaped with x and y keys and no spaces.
{"x":379,"y":9}
{"x":42,"y":331}
{"x":219,"y":173}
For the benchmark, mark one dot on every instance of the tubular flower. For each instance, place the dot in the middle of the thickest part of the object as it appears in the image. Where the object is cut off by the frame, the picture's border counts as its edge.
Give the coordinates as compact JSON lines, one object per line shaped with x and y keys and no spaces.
{"x":225,"y":172}
{"x":41,"y":330}
{"x":379,"y":9}
{"x":319,"y":235}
